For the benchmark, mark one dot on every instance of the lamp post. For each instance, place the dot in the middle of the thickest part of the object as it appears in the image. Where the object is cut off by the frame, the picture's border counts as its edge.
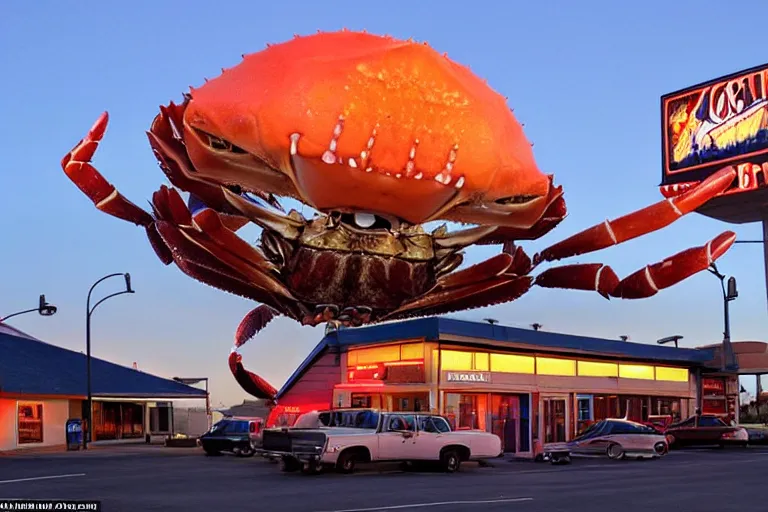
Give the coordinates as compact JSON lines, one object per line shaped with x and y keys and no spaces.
{"x":729,"y":293}
{"x":44,"y":309}
{"x":88,"y":312}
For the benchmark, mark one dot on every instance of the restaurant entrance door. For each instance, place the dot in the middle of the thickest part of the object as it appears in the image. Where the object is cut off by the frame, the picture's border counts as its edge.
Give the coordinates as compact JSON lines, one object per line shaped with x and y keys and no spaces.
{"x":555,"y":418}
{"x":510,"y":421}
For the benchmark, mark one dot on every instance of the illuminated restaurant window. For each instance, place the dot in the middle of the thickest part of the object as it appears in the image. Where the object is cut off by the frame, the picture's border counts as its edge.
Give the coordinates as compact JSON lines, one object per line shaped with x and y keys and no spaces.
{"x":465,"y":411}
{"x":636,"y":371}
{"x":373,"y":355}
{"x":482,"y":363}
{"x":593,"y":369}
{"x":552,"y":366}
{"x":412,"y":351}
{"x":30,"y":423}
{"x":671,"y":374}
{"x":510,"y":363}
{"x":456,"y":360}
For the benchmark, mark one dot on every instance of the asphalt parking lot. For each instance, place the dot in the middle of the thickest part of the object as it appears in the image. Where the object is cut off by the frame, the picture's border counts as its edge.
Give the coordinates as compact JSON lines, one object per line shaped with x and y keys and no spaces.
{"x":155,"y":478}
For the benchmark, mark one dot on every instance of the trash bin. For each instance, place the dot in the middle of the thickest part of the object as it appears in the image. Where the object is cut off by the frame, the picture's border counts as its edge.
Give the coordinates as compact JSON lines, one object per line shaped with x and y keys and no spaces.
{"x":74,"y":433}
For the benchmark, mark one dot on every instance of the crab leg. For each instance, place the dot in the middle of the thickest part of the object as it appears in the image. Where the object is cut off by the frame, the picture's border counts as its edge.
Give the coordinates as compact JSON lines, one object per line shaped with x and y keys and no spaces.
{"x":208,"y":251}
{"x":77,"y":166}
{"x":643,"y":283}
{"x":165,"y":137}
{"x":641,"y":222}
{"x":476,"y":295}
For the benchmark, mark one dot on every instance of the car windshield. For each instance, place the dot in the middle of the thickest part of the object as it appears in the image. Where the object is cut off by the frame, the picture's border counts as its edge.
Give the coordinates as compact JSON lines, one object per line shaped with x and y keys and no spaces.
{"x":350,"y":419}
{"x":219,"y":426}
{"x":591,"y":430}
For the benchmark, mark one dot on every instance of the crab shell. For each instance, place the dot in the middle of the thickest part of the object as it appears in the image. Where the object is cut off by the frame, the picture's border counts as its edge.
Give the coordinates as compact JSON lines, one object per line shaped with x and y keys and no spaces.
{"x":352,"y":122}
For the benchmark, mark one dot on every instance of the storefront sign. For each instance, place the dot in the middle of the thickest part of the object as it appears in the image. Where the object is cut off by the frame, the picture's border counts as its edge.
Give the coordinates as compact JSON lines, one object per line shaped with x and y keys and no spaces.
{"x":713,"y":386}
{"x":484,"y":377}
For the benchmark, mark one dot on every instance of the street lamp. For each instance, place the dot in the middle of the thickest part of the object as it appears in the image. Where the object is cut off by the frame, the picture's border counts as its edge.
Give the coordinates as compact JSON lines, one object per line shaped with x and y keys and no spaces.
{"x":670,"y":339}
{"x":729,"y":293}
{"x":89,"y":311}
{"x":44,"y":309}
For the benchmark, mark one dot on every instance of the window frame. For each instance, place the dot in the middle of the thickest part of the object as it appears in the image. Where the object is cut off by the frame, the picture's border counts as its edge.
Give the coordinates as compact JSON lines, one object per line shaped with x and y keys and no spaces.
{"x":38,"y":406}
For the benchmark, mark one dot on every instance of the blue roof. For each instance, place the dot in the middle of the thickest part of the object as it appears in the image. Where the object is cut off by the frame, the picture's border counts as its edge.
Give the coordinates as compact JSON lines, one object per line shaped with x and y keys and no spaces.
{"x":31,"y":366}
{"x":440,"y":328}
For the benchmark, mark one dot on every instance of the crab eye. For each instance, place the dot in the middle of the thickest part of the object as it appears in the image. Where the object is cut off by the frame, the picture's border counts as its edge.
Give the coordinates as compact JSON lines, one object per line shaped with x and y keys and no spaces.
{"x":521,"y":199}
{"x":364,"y":220}
{"x":219,"y":144}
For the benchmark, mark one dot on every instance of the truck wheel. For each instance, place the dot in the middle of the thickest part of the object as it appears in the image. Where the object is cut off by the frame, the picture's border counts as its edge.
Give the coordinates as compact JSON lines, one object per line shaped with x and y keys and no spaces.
{"x":312,"y":468}
{"x":245,"y":451}
{"x":289,"y":465}
{"x":450,"y":461}
{"x":346,"y":462}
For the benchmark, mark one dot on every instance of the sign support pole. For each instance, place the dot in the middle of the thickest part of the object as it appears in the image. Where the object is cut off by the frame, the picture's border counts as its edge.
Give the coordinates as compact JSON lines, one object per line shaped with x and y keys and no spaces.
{"x":765,"y":253}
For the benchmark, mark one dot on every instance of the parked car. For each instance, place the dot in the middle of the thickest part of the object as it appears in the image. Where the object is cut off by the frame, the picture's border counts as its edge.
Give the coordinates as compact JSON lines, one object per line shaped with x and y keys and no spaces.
{"x":350,"y":418}
{"x":367,"y":435}
{"x":659,"y":422}
{"x":615,"y":438}
{"x":703,"y":430}
{"x":237,"y":435}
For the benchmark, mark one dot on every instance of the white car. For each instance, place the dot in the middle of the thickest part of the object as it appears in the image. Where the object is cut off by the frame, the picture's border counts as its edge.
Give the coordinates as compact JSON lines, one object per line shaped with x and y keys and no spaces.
{"x":366,"y":435}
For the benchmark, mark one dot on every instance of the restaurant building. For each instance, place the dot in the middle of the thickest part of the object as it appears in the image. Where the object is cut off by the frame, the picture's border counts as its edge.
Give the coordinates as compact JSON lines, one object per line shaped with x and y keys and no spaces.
{"x":42,"y":386}
{"x":529,"y":387}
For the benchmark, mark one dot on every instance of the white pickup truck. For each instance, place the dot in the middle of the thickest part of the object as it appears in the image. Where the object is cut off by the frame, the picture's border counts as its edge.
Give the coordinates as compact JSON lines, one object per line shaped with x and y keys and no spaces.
{"x":341,"y":439}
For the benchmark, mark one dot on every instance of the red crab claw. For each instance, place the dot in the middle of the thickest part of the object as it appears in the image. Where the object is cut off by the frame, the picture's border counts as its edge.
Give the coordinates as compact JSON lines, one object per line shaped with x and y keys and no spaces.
{"x":641,"y":222}
{"x":250,"y":325}
{"x":553,"y":215}
{"x":643,"y":283}
{"x":249,"y":381}
{"x":165,"y":137}
{"x":77,"y":166}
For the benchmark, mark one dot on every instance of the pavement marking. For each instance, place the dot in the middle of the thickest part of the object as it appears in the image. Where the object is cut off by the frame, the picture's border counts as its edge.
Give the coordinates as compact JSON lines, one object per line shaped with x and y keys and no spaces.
{"x":31,"y":479}
{"x":433,"y":504}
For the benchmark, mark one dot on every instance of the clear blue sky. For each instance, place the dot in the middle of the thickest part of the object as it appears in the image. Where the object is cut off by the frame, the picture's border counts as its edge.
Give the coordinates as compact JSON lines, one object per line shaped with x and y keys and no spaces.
{"x":584,"y":77}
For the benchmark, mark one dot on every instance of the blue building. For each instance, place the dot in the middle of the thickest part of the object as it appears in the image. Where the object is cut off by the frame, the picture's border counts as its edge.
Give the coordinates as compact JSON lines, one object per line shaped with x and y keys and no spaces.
{"x":42,"y":385}
{"x":529,"y":387}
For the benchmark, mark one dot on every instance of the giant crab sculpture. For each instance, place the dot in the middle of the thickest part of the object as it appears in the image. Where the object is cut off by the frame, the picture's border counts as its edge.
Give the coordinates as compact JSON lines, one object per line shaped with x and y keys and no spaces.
{"x":379,"y":136}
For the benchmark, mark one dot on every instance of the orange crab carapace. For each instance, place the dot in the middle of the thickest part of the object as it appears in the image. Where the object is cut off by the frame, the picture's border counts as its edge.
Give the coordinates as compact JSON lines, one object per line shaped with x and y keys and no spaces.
{"x":379,"y":136}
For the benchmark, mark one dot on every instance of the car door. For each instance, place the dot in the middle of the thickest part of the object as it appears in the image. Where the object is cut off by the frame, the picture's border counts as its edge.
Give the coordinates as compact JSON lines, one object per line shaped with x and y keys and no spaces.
{"x":429,"y":437}
{"x":397,"y":437}
{"x":232,"y":435}
{"x":710,"y":430}
{"x":684,"y":432}
{"x":593,"y":440}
